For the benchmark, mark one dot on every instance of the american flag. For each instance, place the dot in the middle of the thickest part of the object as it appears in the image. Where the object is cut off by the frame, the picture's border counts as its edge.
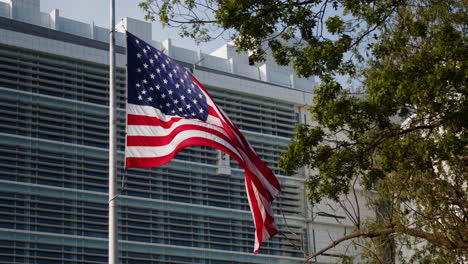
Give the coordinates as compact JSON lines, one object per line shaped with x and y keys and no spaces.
{"x":169,"y":110}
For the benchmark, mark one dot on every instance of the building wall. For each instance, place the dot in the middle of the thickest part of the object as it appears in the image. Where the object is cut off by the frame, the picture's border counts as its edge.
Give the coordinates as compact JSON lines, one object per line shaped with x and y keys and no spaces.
{"x":53,"y":149}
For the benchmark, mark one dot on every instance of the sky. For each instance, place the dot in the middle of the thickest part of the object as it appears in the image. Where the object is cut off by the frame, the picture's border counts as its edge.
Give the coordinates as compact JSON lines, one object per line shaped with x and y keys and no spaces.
{"x":88,"y":11}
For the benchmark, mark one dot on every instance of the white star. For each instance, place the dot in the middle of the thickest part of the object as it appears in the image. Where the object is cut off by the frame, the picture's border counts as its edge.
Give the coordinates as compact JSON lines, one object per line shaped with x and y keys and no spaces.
{"x":163,"y":65}
{"x":137,"y":85}
{"x":138,"y":70}
{"x":200,"y":95}
{"x":193,"y":114}
{"x":158,"y":87}
{"x":148,"y":47}
{"x":139,"y":97}
{"x":173,"y":111}
{"x":156,"y":56}
{"x":138,"y":55}
{"x":137,"y":41}
{"x":165,"y":81}
{"x":152,"y":76}
{"x":163,"y":95}
{"x":201,"y":111}
{"x":143,"y":92}
{"x":176,"y":101}
{"x":170,"y":91}
{"x":158,"y":70}
{"x":175,"y":71}
{"x":182,"y":97}
{"x":180,"y":109}
{"x":177,"y":85}
{"x":150,"y":99}
{"x":170,"y":75}
{"x":195,"y":101}
{"x":151,"y":89}
{"x":189,"y":91}
{"x":144,"y":51}
{"x":189,"y":106}
{"x":193,"y":86}
{"x":167,"y":61}
{"x":182,"y":80}
{"x":145,"y":81}
{"x":151,"y":61}
{"x":145,"y":65}
{"x":168,"y":104}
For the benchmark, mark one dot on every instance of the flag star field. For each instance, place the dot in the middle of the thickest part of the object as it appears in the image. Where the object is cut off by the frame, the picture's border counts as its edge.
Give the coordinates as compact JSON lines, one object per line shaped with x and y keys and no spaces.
{"x":161,"y":83}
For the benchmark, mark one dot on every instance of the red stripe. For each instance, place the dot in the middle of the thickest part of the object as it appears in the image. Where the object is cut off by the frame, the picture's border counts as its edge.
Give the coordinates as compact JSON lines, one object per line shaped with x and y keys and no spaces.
{"x":154,"y":141}
{"x":141,"y":120}
{"x":138,"y":162}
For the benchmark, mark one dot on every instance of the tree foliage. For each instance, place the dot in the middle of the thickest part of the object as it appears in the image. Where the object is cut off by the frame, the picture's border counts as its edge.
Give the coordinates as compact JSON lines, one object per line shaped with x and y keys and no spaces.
{"x":404,"y":133}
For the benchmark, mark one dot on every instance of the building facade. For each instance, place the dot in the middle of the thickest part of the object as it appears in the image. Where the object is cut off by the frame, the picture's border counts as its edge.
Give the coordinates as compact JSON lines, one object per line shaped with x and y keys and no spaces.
{"x":53,"y":154}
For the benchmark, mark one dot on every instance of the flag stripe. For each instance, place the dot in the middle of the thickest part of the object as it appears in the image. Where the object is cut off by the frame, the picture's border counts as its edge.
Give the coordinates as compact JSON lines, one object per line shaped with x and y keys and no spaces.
{"x":160,"y":151}
{"x":150,"y":127}
{"x":161,"y":140}
{"x":256,"y":214}
{"x":141,"y":120}
{"x":152,"y":113}
{"x":154,"y":161}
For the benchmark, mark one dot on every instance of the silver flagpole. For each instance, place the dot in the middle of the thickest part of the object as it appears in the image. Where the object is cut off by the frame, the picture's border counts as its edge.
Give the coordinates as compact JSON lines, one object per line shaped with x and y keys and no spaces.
{"x":113,"y":233}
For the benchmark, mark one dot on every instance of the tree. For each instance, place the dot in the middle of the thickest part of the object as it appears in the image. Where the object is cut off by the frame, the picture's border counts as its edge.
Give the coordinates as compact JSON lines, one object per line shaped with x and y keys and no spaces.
{"x":404,"y":133}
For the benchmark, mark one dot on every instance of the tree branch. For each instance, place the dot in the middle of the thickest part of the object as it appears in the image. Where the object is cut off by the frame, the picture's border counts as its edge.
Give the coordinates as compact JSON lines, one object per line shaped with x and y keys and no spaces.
{"x":369,"y":234}
{"x":358,"y":215}
{"x":434,"y":239}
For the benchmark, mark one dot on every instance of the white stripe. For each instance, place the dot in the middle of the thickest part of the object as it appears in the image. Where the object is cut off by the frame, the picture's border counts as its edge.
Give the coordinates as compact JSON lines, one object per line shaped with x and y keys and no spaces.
{"x":214,"y":120}
{"x":262,"y":201}
{"x":147,"y":152}
{"x":133,"y":109}
{"x":137,"y":130}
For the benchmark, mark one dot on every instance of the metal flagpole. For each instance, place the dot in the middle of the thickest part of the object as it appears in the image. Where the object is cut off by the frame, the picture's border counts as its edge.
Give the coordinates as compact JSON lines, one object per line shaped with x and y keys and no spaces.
{"x":113,"y":234}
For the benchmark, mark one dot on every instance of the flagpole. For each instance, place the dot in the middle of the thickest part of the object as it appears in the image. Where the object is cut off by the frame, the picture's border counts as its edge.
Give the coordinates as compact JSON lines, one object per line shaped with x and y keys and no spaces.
{"x":113,"y":231}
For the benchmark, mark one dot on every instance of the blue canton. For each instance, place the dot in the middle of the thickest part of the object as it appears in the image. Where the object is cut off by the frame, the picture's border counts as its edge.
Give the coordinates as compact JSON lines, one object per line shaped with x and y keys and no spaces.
{"x":156,"y":80}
